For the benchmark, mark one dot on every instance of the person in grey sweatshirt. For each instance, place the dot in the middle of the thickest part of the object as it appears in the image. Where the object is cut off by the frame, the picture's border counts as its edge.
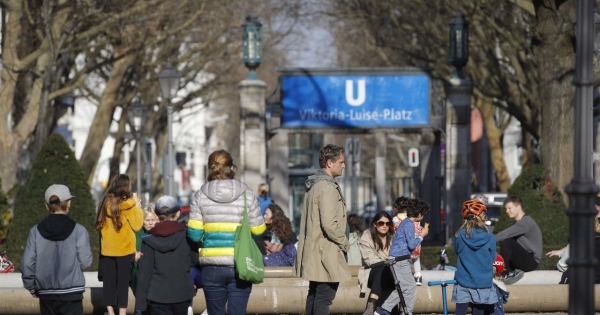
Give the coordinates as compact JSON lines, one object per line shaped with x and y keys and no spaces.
{"x":57,"y":252}
{"x":520,"y":244}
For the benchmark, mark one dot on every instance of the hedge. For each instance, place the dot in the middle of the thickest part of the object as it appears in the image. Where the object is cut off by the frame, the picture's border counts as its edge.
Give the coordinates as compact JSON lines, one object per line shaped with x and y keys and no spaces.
{"x":54,"y":164}
{"x":543,"y":202}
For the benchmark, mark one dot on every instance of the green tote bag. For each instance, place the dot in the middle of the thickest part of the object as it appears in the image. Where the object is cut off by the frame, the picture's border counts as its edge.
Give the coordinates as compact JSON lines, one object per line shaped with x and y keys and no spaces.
{"x":248,"y":258}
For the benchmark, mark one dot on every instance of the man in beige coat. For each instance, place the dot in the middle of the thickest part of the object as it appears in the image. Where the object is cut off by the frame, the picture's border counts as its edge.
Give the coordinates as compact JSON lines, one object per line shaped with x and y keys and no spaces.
{"x":322,"y":242}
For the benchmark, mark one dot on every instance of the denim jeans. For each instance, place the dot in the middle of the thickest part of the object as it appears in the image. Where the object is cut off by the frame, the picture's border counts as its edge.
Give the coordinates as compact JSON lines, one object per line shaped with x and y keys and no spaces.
{"x":222,"y":286}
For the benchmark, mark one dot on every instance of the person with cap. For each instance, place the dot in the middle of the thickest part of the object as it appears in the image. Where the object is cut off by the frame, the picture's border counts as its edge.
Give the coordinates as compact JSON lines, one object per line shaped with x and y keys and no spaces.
{"x":119,"y":216}
{"x":57,"y":252}
{"x":164,"y":284}
{"x":520,"y":244}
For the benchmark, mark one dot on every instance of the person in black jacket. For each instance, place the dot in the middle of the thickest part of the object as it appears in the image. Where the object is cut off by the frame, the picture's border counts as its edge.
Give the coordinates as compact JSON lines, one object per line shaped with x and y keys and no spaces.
{"x":164,"y":284}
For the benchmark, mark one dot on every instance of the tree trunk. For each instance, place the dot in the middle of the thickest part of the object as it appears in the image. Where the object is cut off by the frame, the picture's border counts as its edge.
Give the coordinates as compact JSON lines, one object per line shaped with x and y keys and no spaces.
{"x":115,"y":161}
{"x":556,"y":58}
{"x":494,"y":136}
{"x":102,"y":119}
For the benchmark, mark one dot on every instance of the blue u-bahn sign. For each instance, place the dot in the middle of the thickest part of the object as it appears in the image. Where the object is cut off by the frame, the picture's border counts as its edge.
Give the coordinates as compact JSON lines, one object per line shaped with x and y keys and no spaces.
{"x":355,"y":98}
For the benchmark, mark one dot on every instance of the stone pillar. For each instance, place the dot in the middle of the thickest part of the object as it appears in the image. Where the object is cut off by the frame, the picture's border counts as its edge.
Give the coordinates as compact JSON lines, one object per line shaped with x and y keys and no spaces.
{"x":279,"y":179}
{"x":252,"y":168}
{"x":458,"y":147}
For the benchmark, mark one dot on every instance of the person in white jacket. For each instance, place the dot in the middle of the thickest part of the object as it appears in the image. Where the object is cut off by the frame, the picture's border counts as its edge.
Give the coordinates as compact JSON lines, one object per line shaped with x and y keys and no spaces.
{"x":216,"y":211}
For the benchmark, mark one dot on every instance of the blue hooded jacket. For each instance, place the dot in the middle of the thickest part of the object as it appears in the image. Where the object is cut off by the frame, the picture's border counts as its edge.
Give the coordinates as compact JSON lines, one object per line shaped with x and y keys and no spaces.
{"x":476,"y":254}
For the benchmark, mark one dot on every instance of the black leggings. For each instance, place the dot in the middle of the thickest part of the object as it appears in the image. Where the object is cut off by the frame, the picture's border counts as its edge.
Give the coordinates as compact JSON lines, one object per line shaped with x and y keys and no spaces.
{"x":516,"y":257}
{"x":380,"y":279}
{"x":116,"y":276}
{"x":478,"y":309}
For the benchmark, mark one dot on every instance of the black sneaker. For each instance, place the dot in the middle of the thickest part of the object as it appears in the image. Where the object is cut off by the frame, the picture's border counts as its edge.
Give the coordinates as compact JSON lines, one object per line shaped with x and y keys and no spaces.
{"x":513,"y":276}
{"x":418,"y":280}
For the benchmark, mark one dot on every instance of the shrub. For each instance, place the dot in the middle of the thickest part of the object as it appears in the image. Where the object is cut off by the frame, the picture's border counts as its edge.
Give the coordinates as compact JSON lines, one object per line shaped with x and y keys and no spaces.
{"x":4,"y":215}
{"x":543,"y":202}
{"x":54,"y":164}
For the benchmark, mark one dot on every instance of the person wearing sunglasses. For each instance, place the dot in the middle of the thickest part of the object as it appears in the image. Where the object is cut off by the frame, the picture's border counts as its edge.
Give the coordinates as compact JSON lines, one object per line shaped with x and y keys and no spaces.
{"x":374,"y":247}
{"x":403,"y":244}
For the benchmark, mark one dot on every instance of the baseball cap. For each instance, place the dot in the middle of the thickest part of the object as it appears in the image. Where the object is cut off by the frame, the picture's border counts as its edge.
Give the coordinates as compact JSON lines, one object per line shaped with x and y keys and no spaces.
{"x":166,"y":202}
{"x":60,"y":191}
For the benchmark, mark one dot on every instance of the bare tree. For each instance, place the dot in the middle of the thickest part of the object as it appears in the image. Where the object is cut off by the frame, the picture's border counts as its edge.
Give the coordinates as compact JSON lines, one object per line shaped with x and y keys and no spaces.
{"x":501,"y":65}
{"x":110,"y":52}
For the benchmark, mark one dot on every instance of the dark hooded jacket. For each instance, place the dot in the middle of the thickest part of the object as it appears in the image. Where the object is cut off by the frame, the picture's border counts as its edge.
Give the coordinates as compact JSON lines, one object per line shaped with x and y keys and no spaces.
{"x":476,"y":254}
{"x":163,"y":274}
{"x":57,"y":252}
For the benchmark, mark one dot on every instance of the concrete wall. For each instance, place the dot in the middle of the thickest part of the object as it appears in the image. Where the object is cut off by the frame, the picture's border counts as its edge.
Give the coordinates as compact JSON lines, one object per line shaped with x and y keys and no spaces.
{"x":280,"y":293}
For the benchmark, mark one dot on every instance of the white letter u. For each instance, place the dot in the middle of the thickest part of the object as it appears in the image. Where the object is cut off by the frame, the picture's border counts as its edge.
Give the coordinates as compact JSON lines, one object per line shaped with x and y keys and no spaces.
{"x":361,"y":95}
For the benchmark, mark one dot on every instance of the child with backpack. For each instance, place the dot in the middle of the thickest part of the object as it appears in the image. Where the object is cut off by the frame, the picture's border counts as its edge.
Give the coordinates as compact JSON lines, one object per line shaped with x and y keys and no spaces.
{"x":475,"y":246}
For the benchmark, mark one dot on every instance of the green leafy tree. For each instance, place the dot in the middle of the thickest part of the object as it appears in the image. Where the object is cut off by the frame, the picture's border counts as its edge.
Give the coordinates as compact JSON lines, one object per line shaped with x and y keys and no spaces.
{"x":543,"y":202}
{"x":54,"y":164}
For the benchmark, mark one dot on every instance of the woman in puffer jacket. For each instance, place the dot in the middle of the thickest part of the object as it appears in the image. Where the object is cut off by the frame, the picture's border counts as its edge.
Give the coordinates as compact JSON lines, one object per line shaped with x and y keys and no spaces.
{"x":216,"y":211}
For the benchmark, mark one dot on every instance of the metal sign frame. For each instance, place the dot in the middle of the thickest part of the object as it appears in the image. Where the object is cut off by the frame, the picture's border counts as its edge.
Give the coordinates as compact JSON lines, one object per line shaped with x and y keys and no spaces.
{"x":323,"y":72}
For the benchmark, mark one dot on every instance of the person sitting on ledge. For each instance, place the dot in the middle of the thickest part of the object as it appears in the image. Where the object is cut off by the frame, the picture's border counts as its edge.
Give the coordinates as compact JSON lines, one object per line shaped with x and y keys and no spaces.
{"x":520,"y":244}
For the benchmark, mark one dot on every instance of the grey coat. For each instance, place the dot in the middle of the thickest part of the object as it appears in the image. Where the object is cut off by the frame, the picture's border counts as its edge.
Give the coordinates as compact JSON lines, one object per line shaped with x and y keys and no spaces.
{"x":54,"y":264}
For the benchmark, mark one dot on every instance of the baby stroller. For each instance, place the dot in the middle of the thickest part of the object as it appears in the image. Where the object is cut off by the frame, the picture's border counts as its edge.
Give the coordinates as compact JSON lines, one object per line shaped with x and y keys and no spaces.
{"x":6,"y":266}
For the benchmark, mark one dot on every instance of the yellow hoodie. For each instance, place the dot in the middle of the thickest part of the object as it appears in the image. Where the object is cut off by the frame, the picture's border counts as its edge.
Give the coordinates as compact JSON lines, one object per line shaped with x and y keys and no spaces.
{"x":122,"y":243}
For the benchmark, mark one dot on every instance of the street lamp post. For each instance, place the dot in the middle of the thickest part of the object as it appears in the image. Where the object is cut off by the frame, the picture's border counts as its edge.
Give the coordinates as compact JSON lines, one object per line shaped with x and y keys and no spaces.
{"x":136,"y":113}
{"x":253,"y":146}
{"x":582,"y":188}
{"x":459,"y":90}
{"x":169,"y":84}
{"x":252,"y":44}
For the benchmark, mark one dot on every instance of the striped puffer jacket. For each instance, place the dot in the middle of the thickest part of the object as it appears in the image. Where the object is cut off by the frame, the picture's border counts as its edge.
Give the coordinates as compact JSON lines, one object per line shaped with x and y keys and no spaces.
{"x":216,"y":211}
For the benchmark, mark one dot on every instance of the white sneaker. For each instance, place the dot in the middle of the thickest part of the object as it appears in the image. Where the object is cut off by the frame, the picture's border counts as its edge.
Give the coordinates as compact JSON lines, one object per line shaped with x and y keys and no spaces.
{"x":190,"y":310}
{"x":205,"y":312}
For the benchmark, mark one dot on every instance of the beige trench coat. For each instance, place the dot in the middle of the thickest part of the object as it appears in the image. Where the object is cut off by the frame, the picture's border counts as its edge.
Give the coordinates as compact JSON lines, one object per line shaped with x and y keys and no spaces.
{"x":369,"y":256}
{"x":322,"y":242}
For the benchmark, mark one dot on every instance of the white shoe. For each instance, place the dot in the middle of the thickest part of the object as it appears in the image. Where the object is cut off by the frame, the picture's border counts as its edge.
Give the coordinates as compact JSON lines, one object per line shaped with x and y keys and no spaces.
{"x":190,"y":310}
{"x":205,"y":312}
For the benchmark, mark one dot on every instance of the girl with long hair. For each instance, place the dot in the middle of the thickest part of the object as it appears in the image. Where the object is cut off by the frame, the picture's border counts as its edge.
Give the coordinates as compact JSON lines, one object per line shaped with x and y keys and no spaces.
{"x":119,"y":217}
{"x":216,"y":211}
{"x":280,"y":240}
{"x":475,"y":246}
{"x":374,"y":247}
{"x":279,"y":229}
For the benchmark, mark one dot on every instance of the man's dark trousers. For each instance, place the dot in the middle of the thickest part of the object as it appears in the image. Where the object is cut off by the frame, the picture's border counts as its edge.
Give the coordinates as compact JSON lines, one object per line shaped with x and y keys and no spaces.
{"x":320,"y":296}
